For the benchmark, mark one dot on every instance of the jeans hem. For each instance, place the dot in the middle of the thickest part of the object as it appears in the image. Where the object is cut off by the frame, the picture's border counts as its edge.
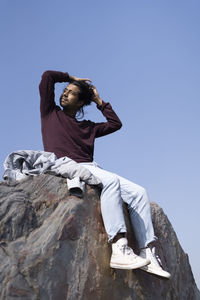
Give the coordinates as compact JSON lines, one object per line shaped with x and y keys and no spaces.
{"x":144,"y":245}
{"x":121,"y":230}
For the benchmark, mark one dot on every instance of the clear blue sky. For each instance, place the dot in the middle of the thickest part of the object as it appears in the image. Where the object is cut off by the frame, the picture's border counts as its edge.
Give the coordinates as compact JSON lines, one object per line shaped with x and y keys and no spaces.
{"x":143,"y":57}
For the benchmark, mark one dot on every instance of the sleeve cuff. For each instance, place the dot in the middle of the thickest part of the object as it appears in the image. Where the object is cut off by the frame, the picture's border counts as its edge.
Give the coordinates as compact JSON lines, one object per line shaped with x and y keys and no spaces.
{"x":101,"y":107}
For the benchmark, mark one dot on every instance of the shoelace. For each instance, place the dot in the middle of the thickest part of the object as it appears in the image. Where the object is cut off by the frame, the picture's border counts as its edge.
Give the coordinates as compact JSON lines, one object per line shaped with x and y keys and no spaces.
{"x":127,"y":250}
{"x":155,"y":257}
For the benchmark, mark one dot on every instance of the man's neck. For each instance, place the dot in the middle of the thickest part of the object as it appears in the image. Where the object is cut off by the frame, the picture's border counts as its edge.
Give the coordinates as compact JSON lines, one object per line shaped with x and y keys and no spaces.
{"x":71,"y":113}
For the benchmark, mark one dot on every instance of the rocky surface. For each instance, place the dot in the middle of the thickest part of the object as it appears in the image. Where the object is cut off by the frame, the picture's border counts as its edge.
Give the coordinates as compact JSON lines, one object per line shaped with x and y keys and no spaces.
{"x":54,"y":247}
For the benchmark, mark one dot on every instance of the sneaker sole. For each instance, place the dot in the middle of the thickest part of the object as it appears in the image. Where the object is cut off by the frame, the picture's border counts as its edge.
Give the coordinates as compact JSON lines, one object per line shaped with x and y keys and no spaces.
{"x":130,"y":266}
{"x":156,"y":272}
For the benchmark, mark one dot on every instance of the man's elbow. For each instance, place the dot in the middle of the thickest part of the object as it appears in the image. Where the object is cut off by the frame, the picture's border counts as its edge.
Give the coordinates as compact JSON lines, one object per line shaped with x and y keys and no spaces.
{"x":46,"y":73}
{"x":119,"y":125}
{"x":46,"y":76}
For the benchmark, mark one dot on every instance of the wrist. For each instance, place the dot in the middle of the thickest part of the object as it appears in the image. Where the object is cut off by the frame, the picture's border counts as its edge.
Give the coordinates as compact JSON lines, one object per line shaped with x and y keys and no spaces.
{"x":71,"y":78}
{"x":99,"y":101}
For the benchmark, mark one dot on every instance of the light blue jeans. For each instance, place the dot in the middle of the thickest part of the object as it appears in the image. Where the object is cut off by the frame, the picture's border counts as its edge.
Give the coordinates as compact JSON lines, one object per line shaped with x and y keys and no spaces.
{"x":116,"y":188}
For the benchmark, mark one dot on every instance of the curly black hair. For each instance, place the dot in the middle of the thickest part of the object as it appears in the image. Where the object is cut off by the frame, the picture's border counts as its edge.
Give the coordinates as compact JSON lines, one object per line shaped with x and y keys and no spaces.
{"x":86,"y":94}
{"x":86,"y":91}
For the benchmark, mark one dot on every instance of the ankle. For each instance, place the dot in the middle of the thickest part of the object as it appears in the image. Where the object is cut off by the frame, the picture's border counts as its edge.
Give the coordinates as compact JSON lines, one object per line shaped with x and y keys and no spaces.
{"x":119,"y":236}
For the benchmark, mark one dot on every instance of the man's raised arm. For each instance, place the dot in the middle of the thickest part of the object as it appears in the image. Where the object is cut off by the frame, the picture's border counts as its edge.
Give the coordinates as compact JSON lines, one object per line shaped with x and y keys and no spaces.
{"x":113,"y":122}
{"x":46,"y":88}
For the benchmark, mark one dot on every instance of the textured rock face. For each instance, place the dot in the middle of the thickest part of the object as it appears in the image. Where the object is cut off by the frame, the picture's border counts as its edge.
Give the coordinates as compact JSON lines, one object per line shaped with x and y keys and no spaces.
{"x":54,"y":247}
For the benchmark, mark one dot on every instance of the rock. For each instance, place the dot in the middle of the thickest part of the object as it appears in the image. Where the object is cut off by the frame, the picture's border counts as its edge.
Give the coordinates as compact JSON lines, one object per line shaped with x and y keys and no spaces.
{"x":54,"y":247}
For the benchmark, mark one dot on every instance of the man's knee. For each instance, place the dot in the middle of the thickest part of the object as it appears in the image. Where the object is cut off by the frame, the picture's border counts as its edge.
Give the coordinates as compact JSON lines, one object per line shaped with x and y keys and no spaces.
{"x":112,"y":181}
{"x":142,"y":191}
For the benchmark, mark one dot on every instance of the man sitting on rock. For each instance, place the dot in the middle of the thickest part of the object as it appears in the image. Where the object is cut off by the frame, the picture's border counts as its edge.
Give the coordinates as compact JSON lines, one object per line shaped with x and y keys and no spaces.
{"x":64,"y":135}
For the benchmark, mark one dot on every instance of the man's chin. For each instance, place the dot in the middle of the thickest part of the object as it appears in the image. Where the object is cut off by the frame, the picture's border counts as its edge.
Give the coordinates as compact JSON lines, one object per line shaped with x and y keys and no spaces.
{"x":63,"y":104}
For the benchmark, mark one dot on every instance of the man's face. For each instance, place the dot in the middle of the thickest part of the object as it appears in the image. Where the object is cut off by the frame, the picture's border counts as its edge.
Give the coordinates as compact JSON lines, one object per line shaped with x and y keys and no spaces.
{"x":70,"y":97}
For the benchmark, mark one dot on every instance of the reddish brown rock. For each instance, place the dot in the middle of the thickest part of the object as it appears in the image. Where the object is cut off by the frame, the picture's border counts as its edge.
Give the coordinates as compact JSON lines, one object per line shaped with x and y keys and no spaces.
{"x":54,"y":247}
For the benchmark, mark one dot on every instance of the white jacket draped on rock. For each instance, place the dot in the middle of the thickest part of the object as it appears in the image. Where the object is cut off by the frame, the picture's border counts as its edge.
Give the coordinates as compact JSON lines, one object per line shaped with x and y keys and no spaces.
{"x":20,"y":164}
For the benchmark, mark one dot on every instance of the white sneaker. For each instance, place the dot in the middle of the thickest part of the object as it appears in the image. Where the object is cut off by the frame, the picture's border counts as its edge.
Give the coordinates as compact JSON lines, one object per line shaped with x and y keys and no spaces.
{"x":123,"y":256}
{"x":155,"y":264}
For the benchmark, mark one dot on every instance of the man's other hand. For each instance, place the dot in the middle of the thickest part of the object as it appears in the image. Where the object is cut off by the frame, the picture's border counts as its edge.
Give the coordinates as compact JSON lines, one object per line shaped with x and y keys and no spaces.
{"x":96,"y":98}
{"x":73,"y":78}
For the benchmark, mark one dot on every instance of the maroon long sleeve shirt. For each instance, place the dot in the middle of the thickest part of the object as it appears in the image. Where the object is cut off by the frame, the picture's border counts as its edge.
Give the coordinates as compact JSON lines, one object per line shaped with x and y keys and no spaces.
{"x":64,"y":135}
